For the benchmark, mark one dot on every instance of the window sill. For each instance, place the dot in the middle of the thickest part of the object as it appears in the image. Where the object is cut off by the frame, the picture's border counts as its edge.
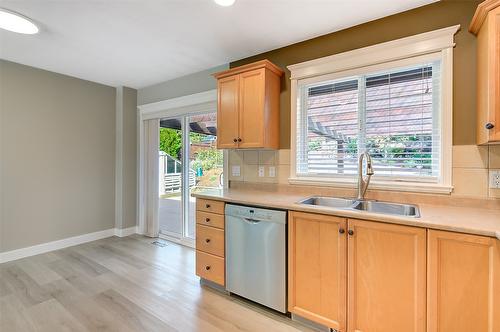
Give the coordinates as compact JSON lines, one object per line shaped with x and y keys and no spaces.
{"x":417,"y":187}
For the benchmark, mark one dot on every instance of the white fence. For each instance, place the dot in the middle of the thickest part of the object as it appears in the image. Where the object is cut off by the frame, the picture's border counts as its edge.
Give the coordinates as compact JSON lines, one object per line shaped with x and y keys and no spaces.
{"x":170,"y":174}
{"x":173,"y":181}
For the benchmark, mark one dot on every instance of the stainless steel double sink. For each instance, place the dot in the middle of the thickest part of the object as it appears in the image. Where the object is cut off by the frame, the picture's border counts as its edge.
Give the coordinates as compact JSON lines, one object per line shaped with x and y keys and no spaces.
{"x":396,"y":209}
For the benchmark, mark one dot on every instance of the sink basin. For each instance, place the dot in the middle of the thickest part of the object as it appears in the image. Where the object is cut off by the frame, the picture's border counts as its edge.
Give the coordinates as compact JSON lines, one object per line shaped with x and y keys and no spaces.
{"x":388,"y":208}
{"x":335,"y":202}
{"x":397,"y":209}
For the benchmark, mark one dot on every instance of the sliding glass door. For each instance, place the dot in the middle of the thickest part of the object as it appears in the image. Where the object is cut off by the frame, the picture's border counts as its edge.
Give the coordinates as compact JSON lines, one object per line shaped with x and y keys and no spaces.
{"x":206,"y":161}
{"x":188,"y":162}
{"x":170,"y":212}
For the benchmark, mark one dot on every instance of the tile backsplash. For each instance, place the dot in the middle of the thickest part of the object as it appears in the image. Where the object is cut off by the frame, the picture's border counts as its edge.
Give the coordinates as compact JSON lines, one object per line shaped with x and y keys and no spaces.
{"x":249,"y":162}
{"x":471,"y":167}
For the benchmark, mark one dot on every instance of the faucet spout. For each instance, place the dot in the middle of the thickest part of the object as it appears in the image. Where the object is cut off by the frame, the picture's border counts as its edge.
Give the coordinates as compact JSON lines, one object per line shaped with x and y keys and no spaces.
{"x":363,"y":182}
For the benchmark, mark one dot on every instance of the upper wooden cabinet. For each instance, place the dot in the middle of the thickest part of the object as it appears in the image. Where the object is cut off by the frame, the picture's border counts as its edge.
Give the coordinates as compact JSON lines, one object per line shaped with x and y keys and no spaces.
{"x":248,"y":106}
{"x":486,"y":25}
{"x":464,"y":282}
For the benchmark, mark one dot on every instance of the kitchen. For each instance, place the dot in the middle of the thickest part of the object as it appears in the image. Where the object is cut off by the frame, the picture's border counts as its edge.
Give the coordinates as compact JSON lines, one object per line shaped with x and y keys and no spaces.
{"x":390,"y":261}
{"x":355,"y":185}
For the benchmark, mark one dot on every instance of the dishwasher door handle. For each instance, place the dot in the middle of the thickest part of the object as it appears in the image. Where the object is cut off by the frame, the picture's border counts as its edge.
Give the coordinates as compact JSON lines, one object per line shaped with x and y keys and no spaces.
{"x":251,"y":221}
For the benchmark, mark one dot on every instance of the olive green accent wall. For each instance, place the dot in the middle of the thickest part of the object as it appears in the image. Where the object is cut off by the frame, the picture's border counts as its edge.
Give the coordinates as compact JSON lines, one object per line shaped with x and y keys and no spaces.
{"x":427,"y":18}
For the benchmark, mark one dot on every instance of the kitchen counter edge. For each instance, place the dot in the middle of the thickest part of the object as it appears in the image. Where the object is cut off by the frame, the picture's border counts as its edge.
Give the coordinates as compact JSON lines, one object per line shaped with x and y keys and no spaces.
{"x":289,"y":202}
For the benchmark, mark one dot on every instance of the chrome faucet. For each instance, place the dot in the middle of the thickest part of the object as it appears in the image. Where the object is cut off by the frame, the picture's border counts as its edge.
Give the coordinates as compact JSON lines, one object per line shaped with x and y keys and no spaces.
{"x":362,"y":181}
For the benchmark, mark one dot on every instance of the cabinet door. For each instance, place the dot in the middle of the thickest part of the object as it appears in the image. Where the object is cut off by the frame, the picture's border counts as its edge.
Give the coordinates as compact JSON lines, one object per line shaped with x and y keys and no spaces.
{"x":386,"y":277}
{"x":495,"y":17}
{"x":317,"y":268}
{"x":488,"y":79}
{"x":227,"y":112}
{"x":251,"y":124}
{"x":464,"y":283}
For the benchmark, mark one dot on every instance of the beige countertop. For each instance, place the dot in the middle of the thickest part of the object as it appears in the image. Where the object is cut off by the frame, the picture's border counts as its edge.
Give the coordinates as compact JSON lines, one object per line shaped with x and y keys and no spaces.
{"x":451,"y":218}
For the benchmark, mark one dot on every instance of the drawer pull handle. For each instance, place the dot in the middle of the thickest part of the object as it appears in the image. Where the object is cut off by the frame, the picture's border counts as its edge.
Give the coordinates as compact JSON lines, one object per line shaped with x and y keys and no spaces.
{"x":207,"y":267}
{"x":207,"y":219}
{"x":207,"y":206}
{"x":207,"y":240}
{"x":490,"y":125}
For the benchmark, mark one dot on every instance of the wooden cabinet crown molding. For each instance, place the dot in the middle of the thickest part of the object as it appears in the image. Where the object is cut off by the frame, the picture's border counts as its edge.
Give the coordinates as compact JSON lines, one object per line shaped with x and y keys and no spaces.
{"x":480,"y":15}
{"x":251,"y":66}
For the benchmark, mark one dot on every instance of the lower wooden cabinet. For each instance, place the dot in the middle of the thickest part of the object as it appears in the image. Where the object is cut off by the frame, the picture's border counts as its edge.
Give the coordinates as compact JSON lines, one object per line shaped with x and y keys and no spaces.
{"x":363,"y":276}
{"x":210,"y":267}
{"x":210,"y":241}
{"x":463,"y":282}
{"x":317,"y":268}
{"x":386,"y":277}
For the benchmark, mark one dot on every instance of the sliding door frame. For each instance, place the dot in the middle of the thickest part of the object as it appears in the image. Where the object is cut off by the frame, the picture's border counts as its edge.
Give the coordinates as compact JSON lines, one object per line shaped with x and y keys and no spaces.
{"x":181,"y":107}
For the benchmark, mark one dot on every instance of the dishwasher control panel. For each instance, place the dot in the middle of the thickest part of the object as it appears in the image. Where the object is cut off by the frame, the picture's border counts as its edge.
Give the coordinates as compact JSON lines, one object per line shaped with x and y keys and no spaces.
{"x":255,"y":213}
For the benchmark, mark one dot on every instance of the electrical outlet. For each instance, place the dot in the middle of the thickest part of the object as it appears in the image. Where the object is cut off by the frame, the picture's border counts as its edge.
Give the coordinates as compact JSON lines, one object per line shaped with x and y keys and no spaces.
{"x":495,"y":178}
{"x":272,"y":171}
{"x":261,"y":171}
{"x":236,"y":170}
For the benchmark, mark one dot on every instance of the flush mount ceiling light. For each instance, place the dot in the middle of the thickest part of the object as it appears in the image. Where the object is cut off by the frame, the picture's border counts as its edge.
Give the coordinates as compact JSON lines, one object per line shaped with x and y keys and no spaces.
{"x":15,"y":22}
{"x":225,"y":3}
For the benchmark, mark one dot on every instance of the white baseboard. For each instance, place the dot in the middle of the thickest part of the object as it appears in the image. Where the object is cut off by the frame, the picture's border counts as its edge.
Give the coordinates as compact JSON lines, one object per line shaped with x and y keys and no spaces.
{"x":64,"y":243}
{"x":121,"y":232}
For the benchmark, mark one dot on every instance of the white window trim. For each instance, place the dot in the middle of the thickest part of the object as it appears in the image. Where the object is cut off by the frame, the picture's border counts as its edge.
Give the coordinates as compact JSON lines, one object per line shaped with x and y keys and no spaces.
{"x":426,"y":45}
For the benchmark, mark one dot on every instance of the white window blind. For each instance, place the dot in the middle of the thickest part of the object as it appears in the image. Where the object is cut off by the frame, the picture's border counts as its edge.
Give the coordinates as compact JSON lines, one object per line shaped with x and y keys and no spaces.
{"x":393,"y":115}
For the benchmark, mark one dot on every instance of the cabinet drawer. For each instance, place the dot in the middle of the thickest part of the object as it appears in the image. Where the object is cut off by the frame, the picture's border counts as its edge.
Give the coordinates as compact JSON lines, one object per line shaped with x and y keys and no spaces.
{"x":210,"y":219}
{"x":209,"y":239}
{"x":209,"y":206}
{"x":210,"y":267}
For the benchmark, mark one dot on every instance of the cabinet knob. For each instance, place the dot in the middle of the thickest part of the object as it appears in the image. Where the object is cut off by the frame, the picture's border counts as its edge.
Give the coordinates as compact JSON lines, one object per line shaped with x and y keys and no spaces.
{"x":341,"y":231}
{"x":207,"y":219}
{"x":207,"y":206}
{"x":235,"y":140}
{"x":207,"y":267}
{"x":207,"y":240}
{"x":239,"y":139}
{"x":490,"y":125}
{"x":350,"y":232}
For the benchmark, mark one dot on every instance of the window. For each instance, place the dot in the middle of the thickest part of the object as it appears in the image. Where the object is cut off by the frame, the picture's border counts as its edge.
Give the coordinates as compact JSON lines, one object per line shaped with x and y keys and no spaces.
{"x":392,"y":115}
{"x":397,"y":110}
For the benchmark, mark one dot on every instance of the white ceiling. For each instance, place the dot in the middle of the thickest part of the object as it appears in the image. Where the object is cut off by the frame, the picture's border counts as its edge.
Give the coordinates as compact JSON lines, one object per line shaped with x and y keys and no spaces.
{"x":137,"y":43}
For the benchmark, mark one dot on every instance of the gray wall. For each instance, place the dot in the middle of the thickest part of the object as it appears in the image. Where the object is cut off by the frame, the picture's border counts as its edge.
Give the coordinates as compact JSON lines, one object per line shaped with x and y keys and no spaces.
{"x":129,"y":180}
{"x":182,"y":86}
{"x":57,"y":155}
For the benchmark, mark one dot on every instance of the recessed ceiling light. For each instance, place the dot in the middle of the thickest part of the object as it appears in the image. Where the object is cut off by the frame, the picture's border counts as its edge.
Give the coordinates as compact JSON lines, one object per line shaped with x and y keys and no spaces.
{"x":15,"y":22}
{"x":225,"y":3}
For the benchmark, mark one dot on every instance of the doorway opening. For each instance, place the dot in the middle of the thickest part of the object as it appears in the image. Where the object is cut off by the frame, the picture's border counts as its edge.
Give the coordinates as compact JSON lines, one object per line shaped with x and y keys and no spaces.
{"x":189,"y":161}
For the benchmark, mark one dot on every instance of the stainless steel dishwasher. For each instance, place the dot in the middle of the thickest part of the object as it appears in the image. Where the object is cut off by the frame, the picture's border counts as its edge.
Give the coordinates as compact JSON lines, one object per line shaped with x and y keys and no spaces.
{"x":256,"y":255}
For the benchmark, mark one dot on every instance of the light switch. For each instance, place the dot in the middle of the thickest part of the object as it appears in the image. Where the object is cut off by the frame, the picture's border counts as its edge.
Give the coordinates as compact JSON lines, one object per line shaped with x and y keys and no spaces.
{"x":272,"y":171}
{"x":236,"y":170}
{"x":261,"y":171}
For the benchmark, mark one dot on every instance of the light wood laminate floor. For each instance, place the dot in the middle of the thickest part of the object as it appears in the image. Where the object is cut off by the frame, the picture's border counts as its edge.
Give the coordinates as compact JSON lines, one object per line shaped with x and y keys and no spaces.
{"x":121,"y":284}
